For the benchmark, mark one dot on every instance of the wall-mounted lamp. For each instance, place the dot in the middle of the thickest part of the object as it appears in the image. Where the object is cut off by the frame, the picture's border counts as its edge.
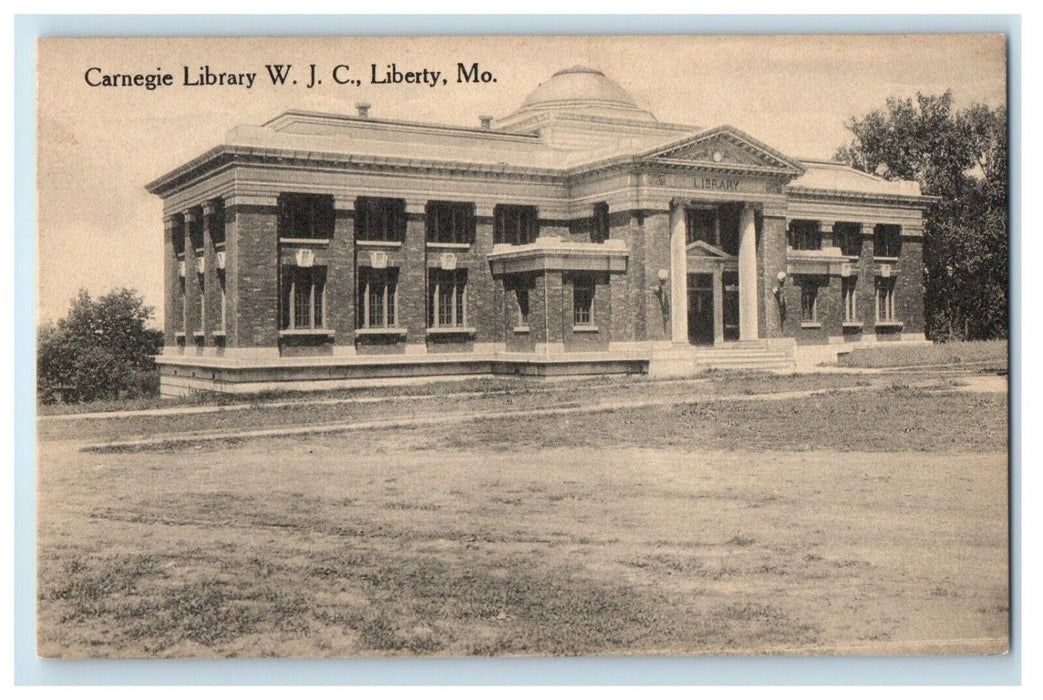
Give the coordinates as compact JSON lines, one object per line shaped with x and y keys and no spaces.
{"x":777,"y":291}
{"x":661,"y":292}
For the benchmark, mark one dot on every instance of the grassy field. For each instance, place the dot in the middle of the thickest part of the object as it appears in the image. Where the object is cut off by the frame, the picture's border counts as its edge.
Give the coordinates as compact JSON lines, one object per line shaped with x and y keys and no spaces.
{"x":490,"y":387}
{"x":990,"y":353}
{"x":871,"y":520}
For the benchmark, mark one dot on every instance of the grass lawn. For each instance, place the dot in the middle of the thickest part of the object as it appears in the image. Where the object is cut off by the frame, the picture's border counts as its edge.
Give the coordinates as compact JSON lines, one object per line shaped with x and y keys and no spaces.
{"x":497,"y":395}
{"x":868,"y":522}
{"x":990,"y":353}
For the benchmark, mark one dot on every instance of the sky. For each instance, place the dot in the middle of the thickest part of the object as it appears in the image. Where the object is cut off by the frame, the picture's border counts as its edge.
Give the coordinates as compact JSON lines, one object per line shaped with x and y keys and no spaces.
{"x":99,"y":146}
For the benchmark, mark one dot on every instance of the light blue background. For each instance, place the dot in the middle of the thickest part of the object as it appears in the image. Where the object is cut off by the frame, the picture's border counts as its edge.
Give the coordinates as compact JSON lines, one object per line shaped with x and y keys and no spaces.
{"x":30,"y":670}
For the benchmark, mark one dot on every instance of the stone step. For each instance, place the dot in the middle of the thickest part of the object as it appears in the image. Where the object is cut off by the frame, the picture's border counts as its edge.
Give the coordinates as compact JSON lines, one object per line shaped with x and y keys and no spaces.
{"x":718,"y":356}
{"x":671,"y":370}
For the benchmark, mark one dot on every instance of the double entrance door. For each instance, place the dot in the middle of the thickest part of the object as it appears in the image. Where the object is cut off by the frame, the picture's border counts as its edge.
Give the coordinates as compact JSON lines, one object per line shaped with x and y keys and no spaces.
{"x":704,"y":326}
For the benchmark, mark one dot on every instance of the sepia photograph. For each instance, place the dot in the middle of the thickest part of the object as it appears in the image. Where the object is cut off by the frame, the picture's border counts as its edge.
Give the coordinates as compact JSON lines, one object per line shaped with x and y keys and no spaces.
{"x":524,"y":346}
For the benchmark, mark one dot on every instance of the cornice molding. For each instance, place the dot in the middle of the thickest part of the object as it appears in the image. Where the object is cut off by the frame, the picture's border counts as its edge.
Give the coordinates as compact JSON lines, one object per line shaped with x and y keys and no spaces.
{"x":819,"y":194}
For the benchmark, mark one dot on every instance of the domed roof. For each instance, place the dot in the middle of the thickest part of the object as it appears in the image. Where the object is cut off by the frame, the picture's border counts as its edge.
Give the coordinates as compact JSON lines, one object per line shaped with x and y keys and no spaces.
{"x":584,"y":90}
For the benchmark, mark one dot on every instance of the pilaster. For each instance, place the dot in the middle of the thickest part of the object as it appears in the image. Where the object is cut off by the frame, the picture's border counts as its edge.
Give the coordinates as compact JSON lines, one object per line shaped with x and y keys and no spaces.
{"x":678,"y":275}
{"x":748,"y":274}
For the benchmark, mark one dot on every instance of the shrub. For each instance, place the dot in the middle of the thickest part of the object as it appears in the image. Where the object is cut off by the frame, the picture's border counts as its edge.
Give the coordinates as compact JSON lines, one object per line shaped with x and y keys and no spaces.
{"x":101,"y":350}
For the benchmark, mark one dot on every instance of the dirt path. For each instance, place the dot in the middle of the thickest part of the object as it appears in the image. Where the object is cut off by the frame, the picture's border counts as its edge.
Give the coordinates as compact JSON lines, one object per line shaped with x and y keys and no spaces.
{"x":171,"y":440}
{"x":246,"y":405}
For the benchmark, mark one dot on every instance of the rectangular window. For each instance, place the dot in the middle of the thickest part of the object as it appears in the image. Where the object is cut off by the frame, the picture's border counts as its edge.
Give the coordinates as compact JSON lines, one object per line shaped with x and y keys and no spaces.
{"x":809,"y":302}
{"x":848,"y":292}
{"x":447,"y":297}
{"x":885,"y":299}
{"x":805,"y":235}
{"x":583,"y":301}
{"x":521,"y":295}
{"x":306,"y":216}
{"x":377,"y":298}
{"x":701,"y":225}
{"x":848,"y":238}
{"x":887,"y":241}
{"x":600,"y":231}
{"x":514,"y":225}
{"x":450,"y":222}
{"x":380,"y":219}
{"x":303,"y":298}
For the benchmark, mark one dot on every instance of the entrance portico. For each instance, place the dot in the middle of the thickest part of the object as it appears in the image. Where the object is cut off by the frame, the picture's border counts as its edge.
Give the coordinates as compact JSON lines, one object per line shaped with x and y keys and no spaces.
{"x":698,"y":268}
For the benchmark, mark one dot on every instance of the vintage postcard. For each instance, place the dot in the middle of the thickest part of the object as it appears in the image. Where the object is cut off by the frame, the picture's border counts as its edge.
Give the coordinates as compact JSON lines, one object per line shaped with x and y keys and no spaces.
{"x":522,"y":346}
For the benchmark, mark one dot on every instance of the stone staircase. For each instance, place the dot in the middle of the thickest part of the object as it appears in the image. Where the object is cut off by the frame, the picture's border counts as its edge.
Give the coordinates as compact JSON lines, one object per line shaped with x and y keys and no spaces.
{"x":745,"y":355}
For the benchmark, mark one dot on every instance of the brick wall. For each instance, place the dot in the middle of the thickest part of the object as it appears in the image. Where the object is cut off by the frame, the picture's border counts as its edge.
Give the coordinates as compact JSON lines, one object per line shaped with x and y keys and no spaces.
{"x":231,"y":276}
{"x":909,"y":287}
{"x":771,"y":259}
{"x":193,"y":288}
{"x":627,"y":290}
{"x":257,"y":289}
{"x":341,"y":282}
{"x":211,"y":224}
{"x":627,"y":307}
{"x":412,"y":280}
{"x":864,"y":289}
{"x":655,"y":255}
{"x":171,"y":285}
{"x":517,"y":341}
{"x":484,"y":295}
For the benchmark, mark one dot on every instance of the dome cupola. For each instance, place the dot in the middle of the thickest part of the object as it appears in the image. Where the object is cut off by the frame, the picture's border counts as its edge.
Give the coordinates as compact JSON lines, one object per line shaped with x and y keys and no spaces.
{"x":582,"y":90}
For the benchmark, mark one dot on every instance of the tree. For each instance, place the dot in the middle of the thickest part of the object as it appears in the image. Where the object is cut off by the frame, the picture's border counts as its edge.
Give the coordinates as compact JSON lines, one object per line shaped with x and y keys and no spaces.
{"x":102,"y":349}
{"x":961,"y":157}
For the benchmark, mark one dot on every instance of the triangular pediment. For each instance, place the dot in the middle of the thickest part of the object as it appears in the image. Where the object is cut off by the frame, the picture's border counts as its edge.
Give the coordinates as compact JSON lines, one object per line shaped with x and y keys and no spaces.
{"x":705,"y":250}
{"x":725,"y":148}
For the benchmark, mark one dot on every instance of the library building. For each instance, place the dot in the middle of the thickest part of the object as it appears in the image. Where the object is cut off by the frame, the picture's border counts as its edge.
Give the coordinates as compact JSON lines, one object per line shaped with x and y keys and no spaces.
{"x":578,"y":235}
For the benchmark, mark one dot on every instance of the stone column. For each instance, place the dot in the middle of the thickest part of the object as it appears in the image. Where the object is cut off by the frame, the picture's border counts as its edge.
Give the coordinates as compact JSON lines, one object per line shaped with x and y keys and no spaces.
{"x":748,"y":274}
{"x":678,"y":275}
{"x":718,"y":305}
